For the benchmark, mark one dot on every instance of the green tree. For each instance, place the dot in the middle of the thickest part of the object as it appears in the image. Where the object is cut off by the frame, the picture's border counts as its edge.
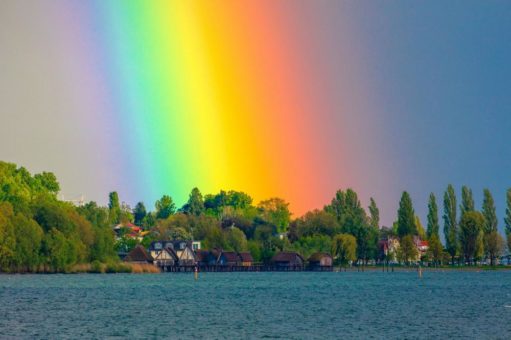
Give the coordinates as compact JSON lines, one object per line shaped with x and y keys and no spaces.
{"x":467,"y":200}
{"x":165,"y":207}
{"x":276,"y":211}
{"x":344,"y":248}
{"x":7,"y":236}
{"x":61,"y":252}
{"x":420,"y":229}
{"x":490,"y":215}
{"x":139,"y":213}
{"x":435,"y":249}
{"x":471,"y":235}
{"x":406,"y":217}
{"x":494,"y":245}
{"x":114,"y":208}
{"x":407,"y":251}
{"x":28,"y":236}
{"x":374,"y":214}
{"x":450,"y":222}
{"x":48,"y":181}
{"x":507,"y":219}
{"x":433,"y":226}
{"x":235,"y":239}
{"x":195,"y":204}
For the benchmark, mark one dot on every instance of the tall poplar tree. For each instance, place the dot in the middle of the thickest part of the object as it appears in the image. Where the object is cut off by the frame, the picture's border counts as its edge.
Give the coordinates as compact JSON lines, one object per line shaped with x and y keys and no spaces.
{"x":114,"y":208}
{"x":406,"y":216}
{"x":374,"y":213}
{"x":467,"y":200}
{"x":489,"y":212}
{"x":433,"y":226}
{"x":507,"y":219}
{"x":450,"y":224}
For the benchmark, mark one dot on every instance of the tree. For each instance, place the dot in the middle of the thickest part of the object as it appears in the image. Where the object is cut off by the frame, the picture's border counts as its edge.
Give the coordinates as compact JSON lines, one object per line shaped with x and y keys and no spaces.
{"x":450,"y":224}
{"x":374,"y":214}
{"x":235,"y":239}
{"x":7,"y":236}
{"x":507,"y":219}
{"x":407,"y":251}
{"x":28,"y":236}
{"x":275,"y":211}
{"x":48,"y":181}
{"x":165,"y":207}
{"x":435,"y":249}
{"x":420,"y":229}
{"x":344,"y":248}
{"x":494,"y":245}
{"x":139,"y":213}
{"x":317,"y":222}
{"x":490,"y":215}
{"x":406,"y":216}
{"x":195,"y":204}
{"x":467,"y":200}
{"x":471,"y":235}
{"x":114,"y":208}
{"x":433,"y":226}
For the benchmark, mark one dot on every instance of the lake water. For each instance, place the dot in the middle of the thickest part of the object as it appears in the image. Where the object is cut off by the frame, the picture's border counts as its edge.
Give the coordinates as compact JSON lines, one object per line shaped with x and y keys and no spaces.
{"x":258,"y":305}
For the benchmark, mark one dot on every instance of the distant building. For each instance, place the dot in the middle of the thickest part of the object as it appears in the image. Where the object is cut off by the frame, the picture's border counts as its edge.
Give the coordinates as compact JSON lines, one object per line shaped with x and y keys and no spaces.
{"x":246,"y":259}
{"x":196,"y":245}
{"x":163,"y":253}
{"x":228,"y":258}
{"x":139,"y":255}
{"x":287,"y":260}
{"x":182,"y":250}
{"x":320,"y":261}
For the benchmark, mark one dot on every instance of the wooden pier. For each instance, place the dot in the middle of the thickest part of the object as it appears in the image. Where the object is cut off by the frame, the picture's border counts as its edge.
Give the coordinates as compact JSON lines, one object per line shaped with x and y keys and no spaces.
{"x":252,"y":268}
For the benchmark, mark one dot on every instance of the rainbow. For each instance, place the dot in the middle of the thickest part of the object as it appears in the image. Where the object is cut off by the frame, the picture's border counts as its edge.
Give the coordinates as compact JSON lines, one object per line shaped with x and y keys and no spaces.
{"x":221,"y":95}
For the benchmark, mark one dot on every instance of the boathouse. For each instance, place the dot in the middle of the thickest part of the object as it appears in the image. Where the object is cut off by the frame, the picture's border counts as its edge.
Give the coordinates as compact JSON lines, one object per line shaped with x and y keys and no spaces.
{"x":139,"y":255}
{"x":246,"y":259}
{"x":287,"y":260}
{"x":228,"y":258}
{"x":320,"y":261}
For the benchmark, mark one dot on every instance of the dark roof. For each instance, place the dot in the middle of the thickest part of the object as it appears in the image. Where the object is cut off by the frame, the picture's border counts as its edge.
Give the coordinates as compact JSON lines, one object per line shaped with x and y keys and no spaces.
{"x":246,"y":257}
{"x":202,"y":255}
{"x":230,"y":256}
{"x":138,"y":254}
{"x":286,"y":256}
{"x":168,"y":250}
{"x":318,"y":256}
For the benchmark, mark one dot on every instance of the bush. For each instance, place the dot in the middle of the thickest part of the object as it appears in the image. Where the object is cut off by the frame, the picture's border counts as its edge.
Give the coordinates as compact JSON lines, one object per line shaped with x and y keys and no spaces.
{"x":96,"y":267}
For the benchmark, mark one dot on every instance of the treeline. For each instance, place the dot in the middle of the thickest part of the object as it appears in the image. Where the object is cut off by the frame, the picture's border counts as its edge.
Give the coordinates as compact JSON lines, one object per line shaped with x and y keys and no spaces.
{"x":40,"y":233}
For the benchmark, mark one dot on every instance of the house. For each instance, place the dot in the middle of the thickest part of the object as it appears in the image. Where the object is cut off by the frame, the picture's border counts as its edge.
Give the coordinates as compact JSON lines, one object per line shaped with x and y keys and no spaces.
{"x":246,"y":259}
{"x":287,"y":260}
{"x":228,"y":258}
{"x":196,"y":245}
{"x":388,"y":248}
{"x":139,"y":255}
{"x":184,"y":252}
{"x":163,"y":254}
{"x":205,"y":258}
{"x":128,"y":230}
{"x":320,"y":261}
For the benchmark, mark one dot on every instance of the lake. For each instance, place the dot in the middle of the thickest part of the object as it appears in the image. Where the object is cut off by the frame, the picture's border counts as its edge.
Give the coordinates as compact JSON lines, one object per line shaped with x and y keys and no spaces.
{"x":372,"y":304}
